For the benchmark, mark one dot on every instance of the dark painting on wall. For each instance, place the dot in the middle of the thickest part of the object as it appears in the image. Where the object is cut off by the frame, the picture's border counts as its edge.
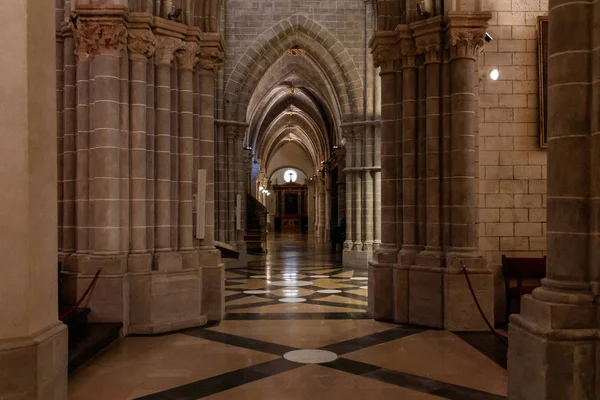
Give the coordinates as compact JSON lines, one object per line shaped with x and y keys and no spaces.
{"x":543,"y":78}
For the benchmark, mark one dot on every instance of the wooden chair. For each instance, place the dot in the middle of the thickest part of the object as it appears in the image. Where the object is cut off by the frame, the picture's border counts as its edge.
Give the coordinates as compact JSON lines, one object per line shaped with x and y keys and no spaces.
{"x":527,"y":272}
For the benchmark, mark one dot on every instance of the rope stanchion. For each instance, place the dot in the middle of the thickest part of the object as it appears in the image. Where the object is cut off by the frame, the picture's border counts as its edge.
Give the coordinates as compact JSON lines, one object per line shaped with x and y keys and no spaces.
{"x":82,"y":298}
{"x":490,"y":327}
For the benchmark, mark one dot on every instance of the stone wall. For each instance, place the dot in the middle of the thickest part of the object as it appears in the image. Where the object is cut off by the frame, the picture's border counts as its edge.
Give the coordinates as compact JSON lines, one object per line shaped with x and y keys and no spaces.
{"x":246,"y":20}
{"x":512,"y":165}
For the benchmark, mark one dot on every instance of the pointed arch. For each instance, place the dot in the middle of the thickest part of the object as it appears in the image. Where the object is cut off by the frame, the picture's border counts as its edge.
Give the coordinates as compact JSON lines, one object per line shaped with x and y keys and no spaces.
{"x":328,"y":52}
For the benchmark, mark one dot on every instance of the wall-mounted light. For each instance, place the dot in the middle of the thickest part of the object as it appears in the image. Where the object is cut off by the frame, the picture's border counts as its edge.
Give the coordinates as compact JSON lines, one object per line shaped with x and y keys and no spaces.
{"x":494,"y":74}
{"x":249,"y":148}
{"x":336,"y":147}
{"x":260,"y":188}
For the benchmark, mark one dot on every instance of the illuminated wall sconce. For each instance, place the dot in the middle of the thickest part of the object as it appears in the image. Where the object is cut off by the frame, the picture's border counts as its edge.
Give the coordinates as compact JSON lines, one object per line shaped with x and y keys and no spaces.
{"x":494,"y":74}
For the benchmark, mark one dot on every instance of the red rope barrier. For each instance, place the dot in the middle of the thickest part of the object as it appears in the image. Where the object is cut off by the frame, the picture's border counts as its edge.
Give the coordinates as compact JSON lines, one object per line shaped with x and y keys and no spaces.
{"x":490,"y":327}
{"x":82,"y":298}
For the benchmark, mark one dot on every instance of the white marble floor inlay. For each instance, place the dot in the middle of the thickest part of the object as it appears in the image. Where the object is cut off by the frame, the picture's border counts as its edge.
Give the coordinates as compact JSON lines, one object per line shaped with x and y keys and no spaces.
{"x":292,"y":300}
{"x":329,"y":291}
{"x":310,"y":356}
{"x":319,"y":276}
{"x":258,"y":277}
{"x":364,"y":288}
{"x":291,"y":283}
{"x":359,"y":278}
{"x":256,"y":292}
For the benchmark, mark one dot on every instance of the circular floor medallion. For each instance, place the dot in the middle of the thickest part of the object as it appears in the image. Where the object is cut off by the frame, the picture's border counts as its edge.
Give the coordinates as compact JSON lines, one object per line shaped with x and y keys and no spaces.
{"x":310,"y":356}
{"x":290,"y":283}
{"x":292,"y":300}
{"x":364,"y":288}
{"x":329,"y":291}
{"x":256,"y":292}
{"x":359,"y":278}
{"x":319,"y":276}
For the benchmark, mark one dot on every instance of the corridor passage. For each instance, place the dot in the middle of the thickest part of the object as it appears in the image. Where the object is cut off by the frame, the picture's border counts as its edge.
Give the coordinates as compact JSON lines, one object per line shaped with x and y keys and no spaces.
{"x":297,"y":297}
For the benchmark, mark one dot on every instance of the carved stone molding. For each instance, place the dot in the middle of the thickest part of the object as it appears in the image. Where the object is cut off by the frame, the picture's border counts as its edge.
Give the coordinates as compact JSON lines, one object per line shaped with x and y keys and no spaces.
{"x":166,"y":46}
{"x":348,"y":132}
{"x":407,"y":46}
{"x":98,"y":36}
{"x":384,"y":47}
{"x":211,"y":58}
{"x":465,"y":34}
{"x":187,"y":55}
{"x":141,"y":44}
{"x":427,"y":34}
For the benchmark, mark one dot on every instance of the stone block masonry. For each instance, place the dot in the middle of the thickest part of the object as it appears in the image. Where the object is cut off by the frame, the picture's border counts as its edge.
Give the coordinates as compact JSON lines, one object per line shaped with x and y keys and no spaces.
{"x":137,"y":123}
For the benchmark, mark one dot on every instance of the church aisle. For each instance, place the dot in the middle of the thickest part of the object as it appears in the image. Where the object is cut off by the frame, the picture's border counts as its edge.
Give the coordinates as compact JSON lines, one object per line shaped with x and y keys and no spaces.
{"x":297,"y":328}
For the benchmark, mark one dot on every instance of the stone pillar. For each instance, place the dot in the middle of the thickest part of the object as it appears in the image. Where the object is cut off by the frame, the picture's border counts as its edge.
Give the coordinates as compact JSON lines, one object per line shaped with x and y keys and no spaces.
{"x":33,"y":343}
{"x":231,"y":184}
{"x":369,"y":199}
{"x":553,"y":352}
{"x":381,"y":284}
{"x":187,"y":58}
{"x":164,"y":257}
{"x":240,"y":191}
{"x":358,"y":175}
{"x":141,"y":46}
{"x":211,"y":58}
{"x":465,"y":35}
{"x":426,"y":277}
{"x":409,"y":153}
{"x":349,"y":242}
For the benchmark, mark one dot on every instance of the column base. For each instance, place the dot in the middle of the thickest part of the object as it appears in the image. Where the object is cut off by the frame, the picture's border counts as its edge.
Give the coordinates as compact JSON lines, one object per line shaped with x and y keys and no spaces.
{"x":139,"y":262}
{"x":381,"y":288}
{"x":460,"y":309}
{"x":35,"y":367}
{"x":426,"y":300}
{"x":553,"y":350}
{"x":109,"y":299}
{"x":356,"y":258}
{"x":166,"y":301}
{"x":189,"y":259}
{"x":401,"y":292}
{"x":242,"y":261}
{"x":213,"y":287}
{"x":168,"y":261}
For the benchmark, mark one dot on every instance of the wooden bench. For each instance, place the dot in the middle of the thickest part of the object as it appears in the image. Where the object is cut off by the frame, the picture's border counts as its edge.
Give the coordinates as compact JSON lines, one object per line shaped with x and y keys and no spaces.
{"x":526,"y":273}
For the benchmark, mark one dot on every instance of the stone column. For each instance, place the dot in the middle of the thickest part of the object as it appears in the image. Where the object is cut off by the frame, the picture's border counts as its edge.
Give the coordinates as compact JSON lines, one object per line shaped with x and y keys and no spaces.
{"x":231,"y":184}
{"x":164,"y":258}
{"x":240,"y":191}
{"x":358,"y":204}
{"x":33,"y":343}
{"x":211,"y":58}
{"x":426,"y":277}
{"x":369,"y":200}
{"x":349,"y":242}
{"x":381,"y":284}
{"x":141,"y":46}
{"x":69,"y":146}
{"x":465,"y":35}
{"x":553,"y":352}
{"x":187,"y":58}
{"x":409,"y":153}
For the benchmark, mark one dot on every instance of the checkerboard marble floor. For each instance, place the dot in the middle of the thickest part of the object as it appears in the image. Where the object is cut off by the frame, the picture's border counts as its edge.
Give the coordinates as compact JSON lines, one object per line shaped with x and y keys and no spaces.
{"x":280,"y":309}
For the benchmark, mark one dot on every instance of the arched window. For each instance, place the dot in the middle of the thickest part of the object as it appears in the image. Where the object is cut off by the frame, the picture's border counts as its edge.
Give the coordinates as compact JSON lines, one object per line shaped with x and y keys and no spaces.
{"x":290,"y":175}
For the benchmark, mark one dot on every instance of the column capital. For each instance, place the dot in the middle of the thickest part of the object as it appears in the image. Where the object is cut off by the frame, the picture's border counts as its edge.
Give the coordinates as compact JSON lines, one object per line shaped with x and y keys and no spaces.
{"x":211,"y":51}
{"x":236,"y":132}
{"x":141,"y":44}
{"x":406,"y":46}
{"x":384,"y":47}
{"x":465,"y":33}
{"x":348,"y":132}
{"x":166,"y":46}
{"x":428,"y":38}
{"x":95,"y":35}
{"x":187,"y":55}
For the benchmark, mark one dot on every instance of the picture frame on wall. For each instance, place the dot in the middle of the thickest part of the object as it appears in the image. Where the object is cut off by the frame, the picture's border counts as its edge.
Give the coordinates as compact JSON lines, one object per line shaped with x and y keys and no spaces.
{"x":543,"y":79}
